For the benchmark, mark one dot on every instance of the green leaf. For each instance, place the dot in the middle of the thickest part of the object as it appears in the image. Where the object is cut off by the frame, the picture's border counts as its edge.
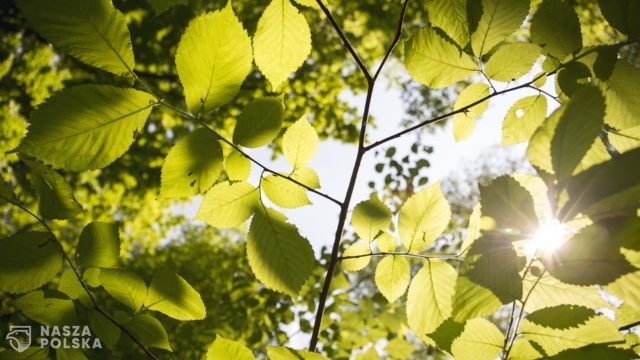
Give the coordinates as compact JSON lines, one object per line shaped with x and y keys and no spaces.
{"x":626,"y":287}
{"x":399,"y":348}
{"x":237,"y":166}
{"x":561,"y":316}
{"x":282,"y":41}
{"x":423,"y":217}
{"x":70,"y":354}
{"x":56,"y":195}
{"x":446,"y":333}
{"x":149,"y":331}
{"x":623,"y":104}
{"x":307,"y":176}
{"x":125,"y":286}
{"x":286,"y":353}
{"x":91,"y":276}
{"x":509,"y":204}
{"x":87,"y":126}
{"x":473,"y":230}
{"x":92,"y":31}
{"x":370,"y":217}
{"x":356,"y":264}
{"x":172,"y":295}
{"x":70,"y":285}
{"x":472,"y":300}
{"x":550,"y":291}
{"x":572,"y":78}
{"x":259,"y":122}
{"x":279,"y":256}
{"x":228,"y":204}
{"x":451,"y":17}
{"x":392,"y":276}
{"x":595,"y":351}
{"x":386,"y":242}
{"x":308,"y":3}
{"x":556,"y":28}
{"x":499,"y":19}
{"x":464,"y":122}
{"x":284,"y":193}
{"x":48,"y":311}
{"x":213,"y":59}
{"x":539,"y":150}
{"x":6,"y":193}
{"x":299,"y":143}
{"x":429,"y":300}
{"x":523,"y":118}
{"x":625,"y":140}
{"x":512,"y":61}
{"x":160,"y":6}
{"x":99,"y":245}
{"x":223,"y":349}
{"x":434,"y":61}
{"x":192,"y":165}
{"x":28,"y":260}
{"x":622,"y":15}
{"x":104,"y":329}
{"x":522,"y":349}
{"x":480,"y":339}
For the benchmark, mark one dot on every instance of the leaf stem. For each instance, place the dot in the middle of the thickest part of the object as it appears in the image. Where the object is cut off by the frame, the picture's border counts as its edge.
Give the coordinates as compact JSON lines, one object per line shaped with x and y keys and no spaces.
{"x":420,"y":256}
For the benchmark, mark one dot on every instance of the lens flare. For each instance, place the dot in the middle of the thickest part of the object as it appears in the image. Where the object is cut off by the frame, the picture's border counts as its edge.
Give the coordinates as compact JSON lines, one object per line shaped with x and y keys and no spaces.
{"x":548,"y":238}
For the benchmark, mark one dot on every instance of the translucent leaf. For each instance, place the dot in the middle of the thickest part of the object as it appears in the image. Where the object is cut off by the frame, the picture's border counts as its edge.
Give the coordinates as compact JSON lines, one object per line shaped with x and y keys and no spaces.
{"x":149,"y":331}
{"x":509,"y":204}
{"x":223,"y":349}
{"x":499,"y":19}
{"x":56,"y":195}
{"x":87,"y":126}
{"x":561,"y":316}
{"x":625,"y":140}
{"x":512,"y":61}
{"x":28,"y":260}
{"x":92,"y":31}
{"x":213,"y":59}
{"x":279,"y":256}
{"x":429,"y":300}
{"x":597,"y":154}
{"x":299,"y":143}
{"x":434,"y":61}
{"x":399,"y":348}
{"x":623,"y":103}
{"x":370,"y":217}
{"x":237,"y":166}
{"x":464,"y":122}
{"x":359,"y":263}
{"x":99,"y":245}
{"x":32,"y":353}
{"x":556,"y":28}
{"x":576,"y":131}
{"x":451,"y":17}
{"x":523,"y":350}
{"x":523,"y":118}
{"x":386,"y":242}
{"x":473,"y":230}
{"x":627,"y":288}
{"x":49,"y":311}
{"x":125,"y":286}
{"x":572,"y":77}
{"x":423,"y":217}
{"x":550,"y":291}
{"x":539,"y":150}
{"x":307,"y":176}
{"x":228,"y":204}
{"x":308,"y":3}
{"x":446,"y":333}
{"x":70,"y":354}
{"x":480,"y":340}
{"x":192,"y":165}
{"x":104,"y":329}
{"x":286,"y":353}
{"x":5,"y":191}
{"x":392,"y":276}
{"x":259,"y":122}
{"x":284,"y":192}
{"x":172,"y":295}
{"x":70,"y":285}
{"x":91,"y":276}
{"x":282,"y":41}
{"x":595,"y":351}
{"x":472,"y":300}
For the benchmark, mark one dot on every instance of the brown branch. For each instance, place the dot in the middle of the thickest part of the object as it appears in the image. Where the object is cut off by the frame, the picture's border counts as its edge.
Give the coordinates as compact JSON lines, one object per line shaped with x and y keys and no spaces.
{"x":420,"y":256}
{"x":629,"y":326}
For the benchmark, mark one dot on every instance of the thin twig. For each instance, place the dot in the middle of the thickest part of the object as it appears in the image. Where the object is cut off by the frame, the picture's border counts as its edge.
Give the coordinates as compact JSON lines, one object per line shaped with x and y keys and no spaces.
{"x":546,"y":93}
{"x":629,"y":326}
{"x":420,"y":256}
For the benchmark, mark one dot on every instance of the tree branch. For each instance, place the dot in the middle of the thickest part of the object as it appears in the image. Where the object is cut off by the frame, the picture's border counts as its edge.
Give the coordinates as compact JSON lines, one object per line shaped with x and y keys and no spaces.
{"x":629,"y":326}
{"x":420,"y":256}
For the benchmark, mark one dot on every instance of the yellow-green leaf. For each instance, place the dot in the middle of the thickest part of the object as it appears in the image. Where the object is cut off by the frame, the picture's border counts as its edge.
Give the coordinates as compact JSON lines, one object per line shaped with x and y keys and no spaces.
{"x":228,"y":204}
{"x":357,"y":263}
{"x":56,"y":195}
{"x":224,"y":349}
{"x":512,"y":61}
{"x":284,"y":193}
{"x":623,"y":104}
{"x":99,"y":245}
{"x":386,"y":242}
{"x":237,"y":166}
{"x":172,"y":295}
{"x":149,"y":331}
{"x":370,"y":217}
{"x":523,"y":118}
{"x":464,"y":122}
{"x":299,"y":143}
{"x":480,"y":340}
{"x":451,"y":17}
{"x":125,"y":286}
{"x":499,"y":19}
{"x":392,"y":276}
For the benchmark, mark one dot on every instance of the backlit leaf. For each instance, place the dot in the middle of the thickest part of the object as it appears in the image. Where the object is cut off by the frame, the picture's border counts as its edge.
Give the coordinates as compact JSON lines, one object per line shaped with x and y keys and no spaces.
{"x":509,"y":204}
{"x":286,"y":353}
{"x":284,"y":193}
{"x":259,"y":122}
{"x":47,"y":310}
{"x":523,"y":118}
{"x":370,"y":217}
{"x":451,"y":17}
{"x":464,"y":122}
{"x":299,"y":143}
{"x":622,"y":15}
{"x":125,"y":286}
{"x":99,"y":245}
{"x":499,"y":19}
{"x":556,"y":28}
{"x":623,"y":104}
{"x":223,"y":349}
{"x":228,"y":204}
{"x":561,"y":316}
{"x":356,"y":263}
{"x":512,"y":61}
{"x":480,"y":340}
{"x":56,"y":195}
{"x":149,"y":331}
{"x":237,"y":166}
{"x":392,"y":276}
{"x":172,"y":295}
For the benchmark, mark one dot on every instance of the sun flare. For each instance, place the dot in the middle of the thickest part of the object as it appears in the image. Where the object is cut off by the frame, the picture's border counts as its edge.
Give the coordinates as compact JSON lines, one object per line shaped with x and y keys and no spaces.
{"x":548,"y":238}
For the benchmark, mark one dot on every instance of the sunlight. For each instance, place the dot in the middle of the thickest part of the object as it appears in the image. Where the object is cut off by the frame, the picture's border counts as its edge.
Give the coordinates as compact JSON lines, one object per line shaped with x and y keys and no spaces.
{"x":548,"y":238}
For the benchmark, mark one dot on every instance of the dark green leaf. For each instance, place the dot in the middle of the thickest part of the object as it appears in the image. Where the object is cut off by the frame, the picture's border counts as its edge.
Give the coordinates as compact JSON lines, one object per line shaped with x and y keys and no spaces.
{"x":561,"y":316}
{"x":125,"y":286}
{"x":509,"y":204}
{"x":595,"y":351}
{"x":573,"y":77}
{"x":622,"y":15}
{"x":556,"y":28}
{"x":446,"y":333}
{"x":48,"y":310}
{"x":56,"y":196}
{"x":149,"y":331}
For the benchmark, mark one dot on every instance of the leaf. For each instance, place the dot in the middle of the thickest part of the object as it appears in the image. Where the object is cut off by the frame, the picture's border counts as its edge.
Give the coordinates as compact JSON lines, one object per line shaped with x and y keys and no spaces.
{"x":473,"y":230}
{"x":28,"y":260}
{"x":523,"y":349}
{"x":282,"y":41}
{"x":386,"y":242}
{"x":56,"y":195}
{"x":213,"y":59}
{"x":284,"y":193}
{"x":299,"y":143}
{"x":49,"y":311}
{"x":286,"y":353}
{"x":499,"y":19}
{"x":370,"y":217}
{"x":429,"y":300}
{"x":509,"y":204}
{"x":577,"y":129}
{"x":356,"y":264}
{"x":399,"y":348}
{"x":70,"y":285}
{"x":480,"y":339}
{"x":392,"y":276}
{"x":523,"y":118}
{"x":104,"y":329}
{"x":423,"y":217}
{"x":125,"y":286}
{"x":549,"y":291}
{"x":621,"y":15}
{"x":259,"y":122}
{"x":6,"y":193}
{"x":172,"y":295}
{"x":539,"y":150}
{"x":434,"y":61}
{"x":149,"y":331}
{"x":595,"y":351}
{"x":99,"y":245}
{"x":592,"y":256}
{"x":561,"y":316}
{"x":223,"y":349}
{"x":446,"y":333}
{"x":70,"y":354}
{"x":92,"y":31}
{"x":623,"y":104}
{"x":556,"y":28}
{"x":307,"y":176}
{"x":625,"y":140}
{"x":464,"y":122}
{"x":226,"y":204}
{"x":278,"y":255}
{"x":192,"y":165}
{"x":512,"y":61}
{"x":572,"y":77}
{"x":87,"y":126}
{"x":626,"y":287}
{"x":451,"y":17}
{"x":160,"y":6}
{"x":237,"y":166}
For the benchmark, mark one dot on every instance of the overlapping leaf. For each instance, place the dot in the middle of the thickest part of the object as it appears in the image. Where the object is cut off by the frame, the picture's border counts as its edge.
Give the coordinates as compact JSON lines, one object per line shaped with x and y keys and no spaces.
{"x":56,"y":195}
{"x":172,"y":295}
{"x":556,"y":28}
{"x":259,"y":122}
{"x":464,"y":122}
{"x":224,"y":349}
{"x":499,"y":19}
{"x":99,"y":245}
{"x":370,"y":217}
{"x":523,"y":118}
{"x":228,"y":204}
